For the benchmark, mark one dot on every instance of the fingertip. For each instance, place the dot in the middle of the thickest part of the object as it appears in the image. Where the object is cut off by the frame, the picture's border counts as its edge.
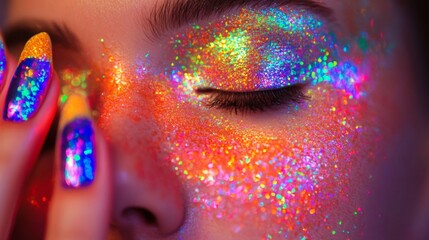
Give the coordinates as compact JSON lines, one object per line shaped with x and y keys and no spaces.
{"x":83,"y":182}
{"x":77,"y":148}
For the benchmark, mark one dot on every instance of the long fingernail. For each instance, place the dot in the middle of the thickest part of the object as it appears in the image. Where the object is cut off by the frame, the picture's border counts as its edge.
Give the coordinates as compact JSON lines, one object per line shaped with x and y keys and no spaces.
{"x":77,"y":144}
{"x":2,"y":62}
{"x":30,"y":83}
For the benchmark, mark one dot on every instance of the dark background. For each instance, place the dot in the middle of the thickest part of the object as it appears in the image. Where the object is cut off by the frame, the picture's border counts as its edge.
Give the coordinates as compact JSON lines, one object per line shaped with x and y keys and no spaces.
{"x":419,"y":15}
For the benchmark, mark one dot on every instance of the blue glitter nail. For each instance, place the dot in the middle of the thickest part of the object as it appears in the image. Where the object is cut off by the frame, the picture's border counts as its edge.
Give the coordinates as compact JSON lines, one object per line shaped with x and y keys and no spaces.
{"x":77,"y":154}
{"x":27,"y":90}
{"x":2,"y":63}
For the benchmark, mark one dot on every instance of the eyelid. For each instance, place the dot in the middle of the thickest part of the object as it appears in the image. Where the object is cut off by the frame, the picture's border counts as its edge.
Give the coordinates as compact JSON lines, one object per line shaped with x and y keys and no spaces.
{"x":255,"y":101}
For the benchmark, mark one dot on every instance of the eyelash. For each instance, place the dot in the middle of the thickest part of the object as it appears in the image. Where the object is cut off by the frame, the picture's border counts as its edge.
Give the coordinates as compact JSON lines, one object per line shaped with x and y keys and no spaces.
{"x":258,"y":101}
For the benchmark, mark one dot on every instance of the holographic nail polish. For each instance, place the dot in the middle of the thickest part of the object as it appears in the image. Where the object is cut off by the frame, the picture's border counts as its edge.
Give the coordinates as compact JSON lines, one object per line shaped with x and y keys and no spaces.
{"x":30,"y":83}
{"x":77,"y":153}
{"x":2,"y":62}
{"x":77,"y":143}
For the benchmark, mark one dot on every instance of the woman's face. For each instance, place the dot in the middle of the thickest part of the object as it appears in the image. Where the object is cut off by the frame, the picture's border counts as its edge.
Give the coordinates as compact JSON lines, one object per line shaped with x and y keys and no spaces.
{"x":231,"y":119}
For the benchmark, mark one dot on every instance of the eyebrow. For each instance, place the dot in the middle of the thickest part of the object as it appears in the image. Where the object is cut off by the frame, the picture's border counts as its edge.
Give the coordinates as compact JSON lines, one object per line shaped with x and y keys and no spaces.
{"x":60,"y":34}
{"x":172,"y":14}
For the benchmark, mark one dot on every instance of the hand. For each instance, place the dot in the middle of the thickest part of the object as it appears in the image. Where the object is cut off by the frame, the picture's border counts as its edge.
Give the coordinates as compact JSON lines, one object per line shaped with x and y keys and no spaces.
{"x":28,"y":103}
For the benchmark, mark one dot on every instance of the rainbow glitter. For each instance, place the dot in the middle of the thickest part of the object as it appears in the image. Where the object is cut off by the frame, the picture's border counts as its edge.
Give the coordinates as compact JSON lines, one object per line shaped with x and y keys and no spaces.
{"x":77,"y":153}
{"x":289,"y":170}
{"x":278,"y":174}
{"x":259,"y":50}
{"x":30,"y":82}
{"x":2,"y":62}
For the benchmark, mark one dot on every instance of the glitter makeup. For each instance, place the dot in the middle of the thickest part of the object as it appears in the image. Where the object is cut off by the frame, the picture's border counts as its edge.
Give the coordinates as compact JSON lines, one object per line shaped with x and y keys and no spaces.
{"x":292,"y":170}
{"x":31,"y":80}
{"x":259,"y":50}
{"x":282,"y":174}
{"x":77,"y":144}
{"x":2,"y":62}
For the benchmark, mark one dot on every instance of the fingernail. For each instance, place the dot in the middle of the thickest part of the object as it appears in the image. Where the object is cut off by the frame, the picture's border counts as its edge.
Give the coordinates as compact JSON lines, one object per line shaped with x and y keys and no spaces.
{"x":30,"y":82}
{"x":2,"y":62}
{"x":77,"y":144}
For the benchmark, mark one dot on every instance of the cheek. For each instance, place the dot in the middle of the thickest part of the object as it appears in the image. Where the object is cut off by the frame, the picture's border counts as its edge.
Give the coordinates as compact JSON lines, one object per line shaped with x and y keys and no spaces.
{"x":296,"y":170}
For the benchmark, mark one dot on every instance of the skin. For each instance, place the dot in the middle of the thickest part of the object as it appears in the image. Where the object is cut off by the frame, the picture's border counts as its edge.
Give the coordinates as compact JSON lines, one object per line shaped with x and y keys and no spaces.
{"x":137,"y":176}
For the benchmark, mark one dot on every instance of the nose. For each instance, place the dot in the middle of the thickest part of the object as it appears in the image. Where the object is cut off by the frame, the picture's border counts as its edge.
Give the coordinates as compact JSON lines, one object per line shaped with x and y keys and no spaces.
{"x":148,"y":198}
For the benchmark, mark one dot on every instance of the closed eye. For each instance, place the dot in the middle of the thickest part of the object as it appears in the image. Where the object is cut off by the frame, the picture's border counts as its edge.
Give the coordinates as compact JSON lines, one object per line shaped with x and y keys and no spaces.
{"x":256,"y":101}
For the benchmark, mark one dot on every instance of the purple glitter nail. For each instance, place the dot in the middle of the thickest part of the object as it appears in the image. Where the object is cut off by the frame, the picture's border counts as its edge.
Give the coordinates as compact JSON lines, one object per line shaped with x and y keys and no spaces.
{"x":77,"y":154}
{"x":27,"y":90}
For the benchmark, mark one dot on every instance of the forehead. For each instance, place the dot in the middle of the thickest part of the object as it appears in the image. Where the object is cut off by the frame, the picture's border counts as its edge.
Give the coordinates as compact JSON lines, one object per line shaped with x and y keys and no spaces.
{"x":111,"y":13}
{"x":126,"y":22}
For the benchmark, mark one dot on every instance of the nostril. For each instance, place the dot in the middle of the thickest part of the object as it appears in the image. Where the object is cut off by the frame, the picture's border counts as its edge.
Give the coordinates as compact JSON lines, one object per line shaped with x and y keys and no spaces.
{"x":141,"y":215}
{"x":144,"y":205}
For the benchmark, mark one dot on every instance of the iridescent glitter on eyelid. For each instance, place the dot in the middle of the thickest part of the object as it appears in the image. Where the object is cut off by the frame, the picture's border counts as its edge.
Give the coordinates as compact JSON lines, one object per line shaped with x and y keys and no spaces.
{"x":257,"y":50}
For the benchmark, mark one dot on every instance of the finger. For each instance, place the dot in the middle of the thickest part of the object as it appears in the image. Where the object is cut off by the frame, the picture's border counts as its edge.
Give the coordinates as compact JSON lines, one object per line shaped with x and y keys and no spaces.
{"x":7,"y":69}
{"x":81,"y":200}
{"x":2,"y":63}
{"x":27,"y":107}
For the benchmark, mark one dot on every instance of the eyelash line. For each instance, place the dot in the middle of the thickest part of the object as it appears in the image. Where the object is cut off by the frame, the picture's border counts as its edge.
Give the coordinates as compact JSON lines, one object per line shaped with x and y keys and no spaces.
{"x":257,"y":101}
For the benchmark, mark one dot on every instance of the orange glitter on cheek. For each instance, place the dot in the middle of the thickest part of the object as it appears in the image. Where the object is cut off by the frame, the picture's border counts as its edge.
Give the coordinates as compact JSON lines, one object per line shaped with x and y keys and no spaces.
{"x":292,"y":171}
{"x":295,"y":174}
{"x":117,"y":91}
